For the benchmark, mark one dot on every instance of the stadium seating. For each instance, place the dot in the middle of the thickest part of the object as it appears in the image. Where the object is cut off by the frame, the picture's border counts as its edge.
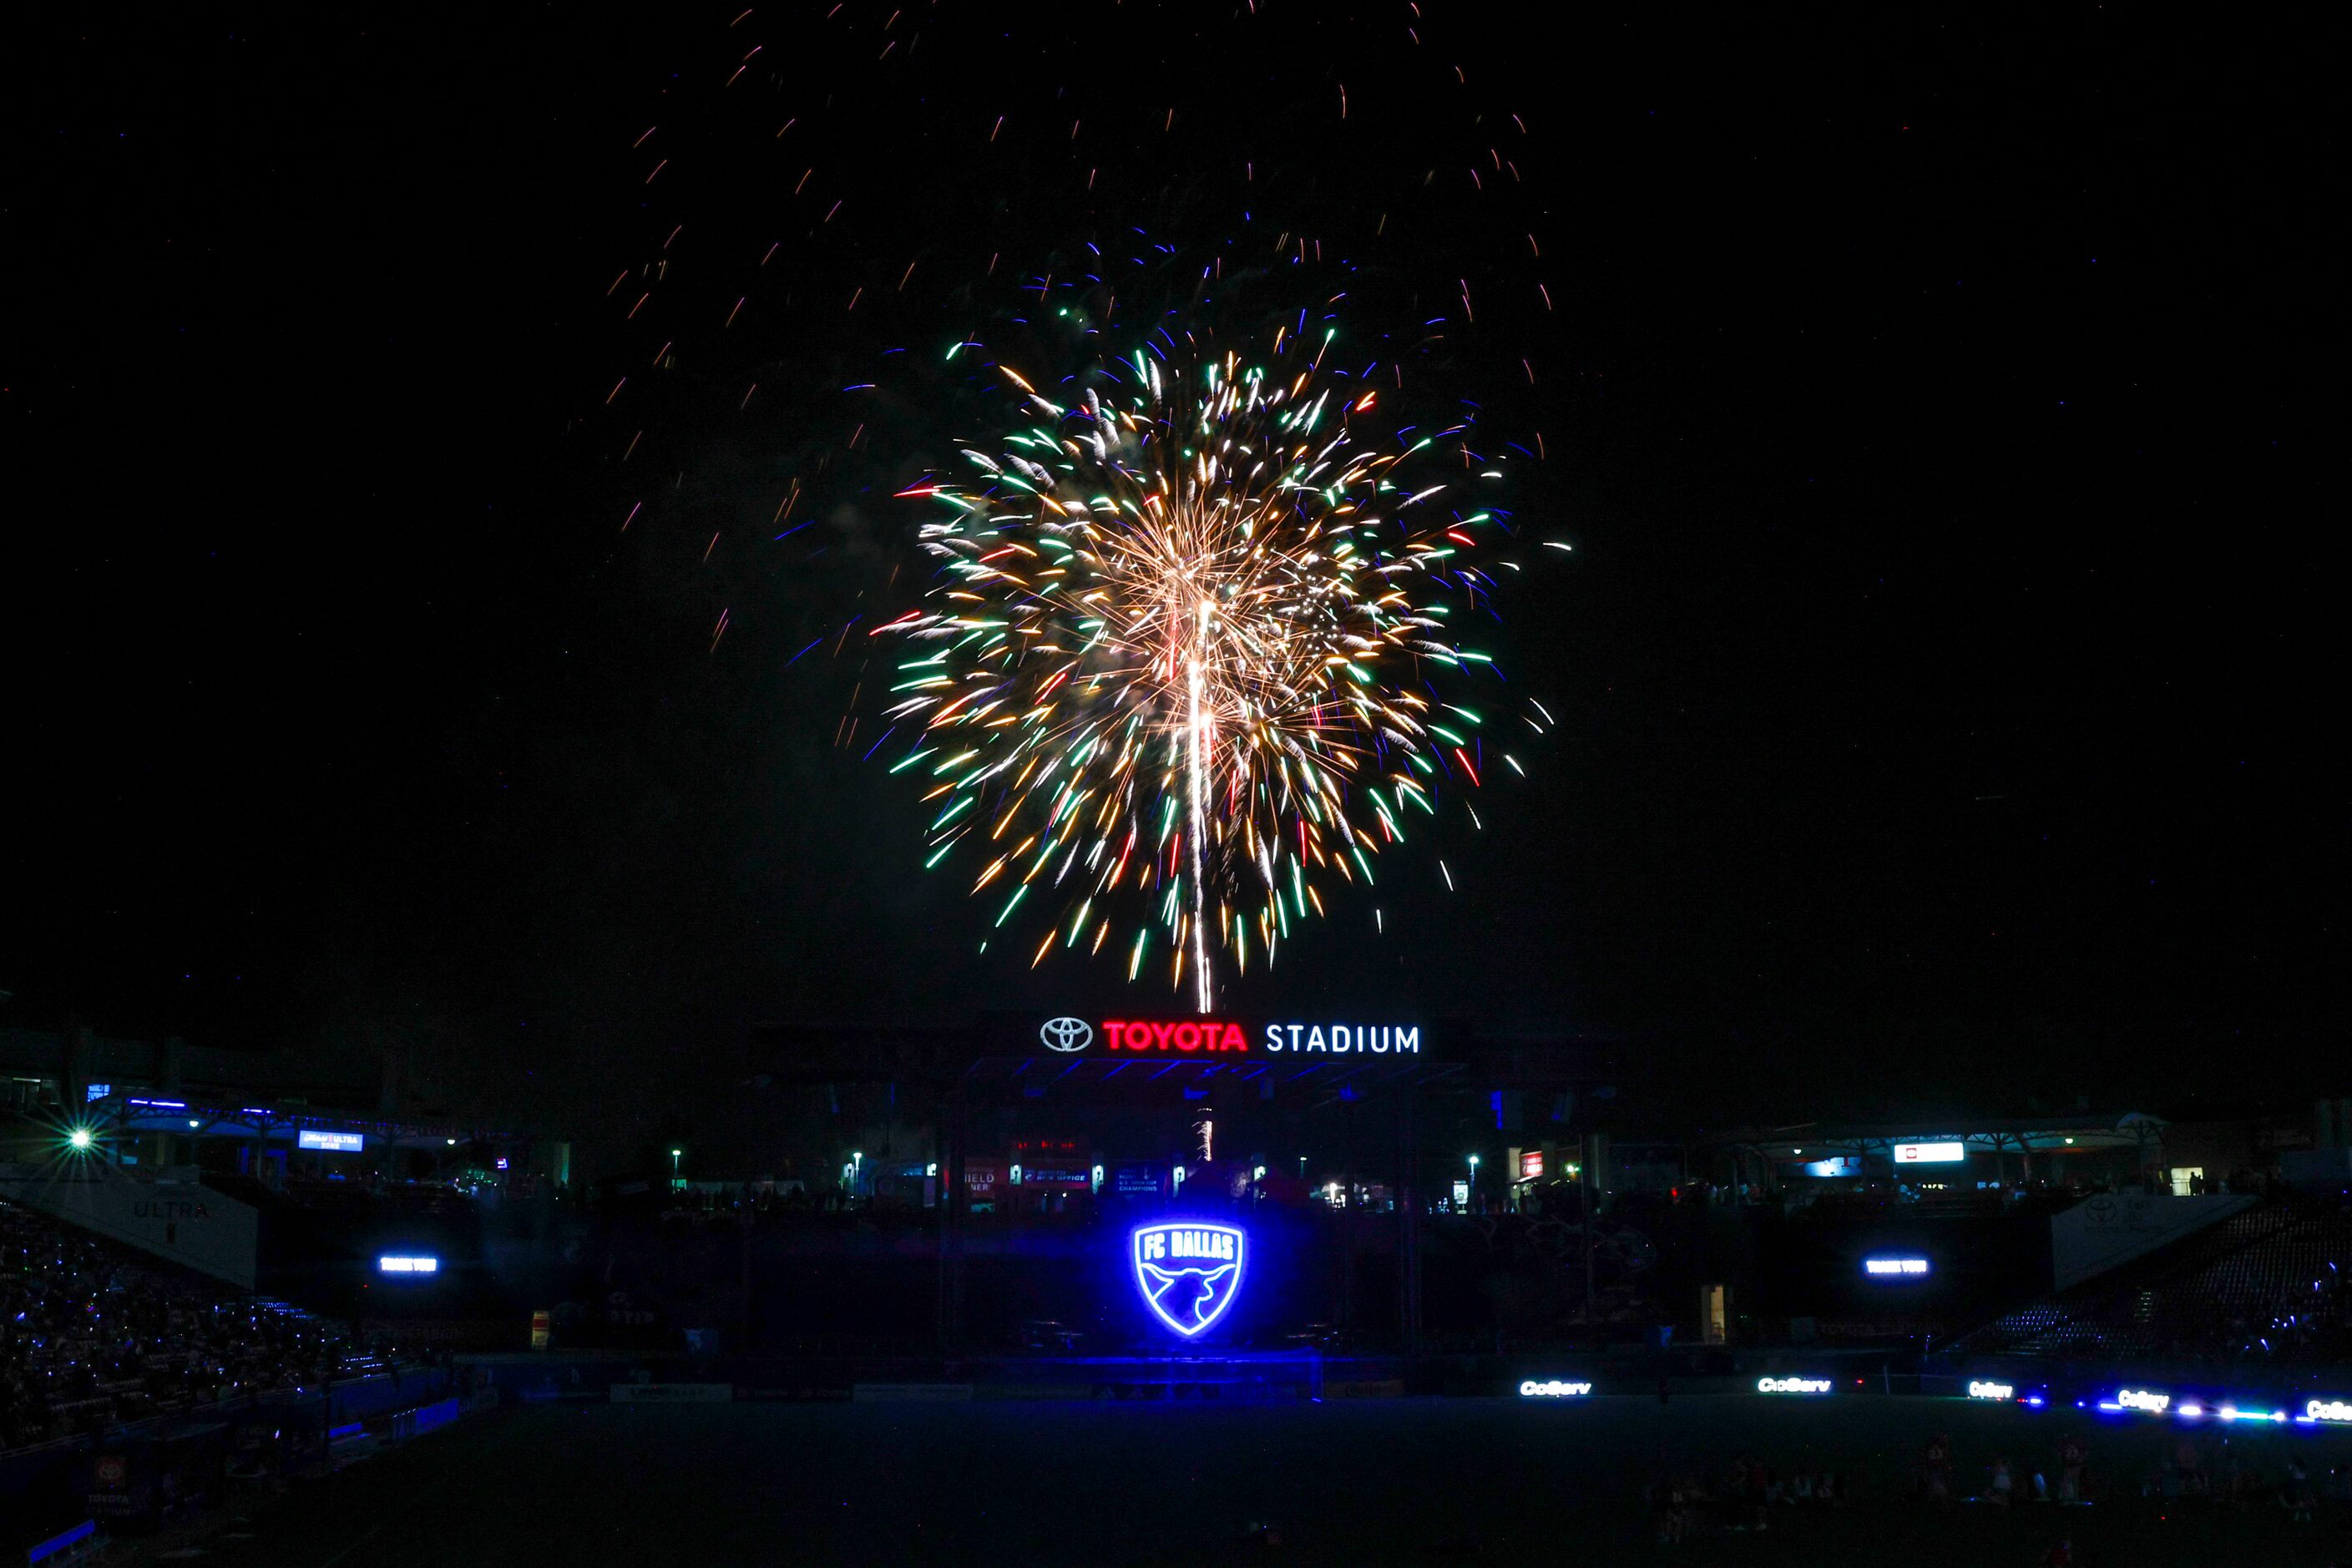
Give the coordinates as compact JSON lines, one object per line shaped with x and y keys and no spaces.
{"x":2268,"y":1282}
{"x":93,"y":1334}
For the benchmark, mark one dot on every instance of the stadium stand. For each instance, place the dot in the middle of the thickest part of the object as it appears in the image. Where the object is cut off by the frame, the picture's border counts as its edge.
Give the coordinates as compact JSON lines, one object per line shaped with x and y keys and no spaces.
{"x":2269,"y":1283}
{"x":92,"y":1336}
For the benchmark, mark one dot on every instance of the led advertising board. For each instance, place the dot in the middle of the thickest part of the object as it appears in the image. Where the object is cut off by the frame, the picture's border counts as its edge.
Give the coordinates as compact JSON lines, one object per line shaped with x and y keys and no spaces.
{"x":2333,"y":1411}
{"x":1553,"y":1389}
{"x":1189,"y":1272}
{"x":1070,"y":1035}
{"x":1793,"y":1386}
{"x":395,"y":1263}
{"x":334,"y":1142}
{"x":1895,"y":1267}
{"x":1929,"y":1153}
{"x":1992,"y":1391}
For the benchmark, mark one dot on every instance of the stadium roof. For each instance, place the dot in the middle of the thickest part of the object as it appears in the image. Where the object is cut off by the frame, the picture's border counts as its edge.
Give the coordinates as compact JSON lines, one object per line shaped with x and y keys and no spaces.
{"x":1988,"y":1134}
{"x":1323,"y":1079}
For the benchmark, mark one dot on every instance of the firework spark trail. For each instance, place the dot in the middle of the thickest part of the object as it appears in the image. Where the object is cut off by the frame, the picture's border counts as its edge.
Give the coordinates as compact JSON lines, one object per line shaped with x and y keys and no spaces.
{"x":1169,"y":752}
{"x":1188,"y":622}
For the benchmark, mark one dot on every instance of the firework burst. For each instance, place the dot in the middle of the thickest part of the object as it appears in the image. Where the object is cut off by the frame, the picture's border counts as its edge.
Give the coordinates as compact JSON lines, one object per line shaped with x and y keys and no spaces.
{"x":1178,"y":673}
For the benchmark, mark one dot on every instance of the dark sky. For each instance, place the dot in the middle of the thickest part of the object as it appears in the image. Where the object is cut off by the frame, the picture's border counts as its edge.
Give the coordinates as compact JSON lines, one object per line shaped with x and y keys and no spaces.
{"x":1946,"y":667}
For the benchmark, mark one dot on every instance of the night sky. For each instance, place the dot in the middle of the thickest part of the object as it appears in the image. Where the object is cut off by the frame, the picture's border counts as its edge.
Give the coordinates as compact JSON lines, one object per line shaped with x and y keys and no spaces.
{"x":1947,"y":666}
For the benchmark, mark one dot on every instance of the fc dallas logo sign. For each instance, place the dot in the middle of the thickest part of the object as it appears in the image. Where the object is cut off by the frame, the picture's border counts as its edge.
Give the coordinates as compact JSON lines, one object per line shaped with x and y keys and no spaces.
{"x":1189,"y":1271}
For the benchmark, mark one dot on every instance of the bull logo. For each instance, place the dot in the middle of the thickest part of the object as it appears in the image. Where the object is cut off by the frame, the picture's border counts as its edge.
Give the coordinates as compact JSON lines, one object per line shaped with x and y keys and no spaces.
{"x":1189,"y":1271}
{"x":1067,"y":1033}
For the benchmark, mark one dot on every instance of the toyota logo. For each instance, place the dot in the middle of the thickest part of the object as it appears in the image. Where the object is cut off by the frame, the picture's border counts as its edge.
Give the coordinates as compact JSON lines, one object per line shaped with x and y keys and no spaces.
{"x":1067,"y":1033}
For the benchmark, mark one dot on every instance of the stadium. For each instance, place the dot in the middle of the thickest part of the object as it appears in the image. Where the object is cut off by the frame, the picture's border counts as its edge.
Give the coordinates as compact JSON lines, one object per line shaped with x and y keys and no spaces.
{"x":244,"y":1317}
{"x":1434,"y":782}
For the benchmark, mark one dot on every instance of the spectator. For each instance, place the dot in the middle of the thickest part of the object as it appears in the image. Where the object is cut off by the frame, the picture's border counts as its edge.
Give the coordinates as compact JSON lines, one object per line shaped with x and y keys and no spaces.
{"x":89,"y":1338}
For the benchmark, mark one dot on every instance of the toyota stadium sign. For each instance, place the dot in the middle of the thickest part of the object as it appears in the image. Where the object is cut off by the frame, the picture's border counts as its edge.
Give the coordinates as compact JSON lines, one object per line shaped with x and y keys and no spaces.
{"x":1069,"y":1035}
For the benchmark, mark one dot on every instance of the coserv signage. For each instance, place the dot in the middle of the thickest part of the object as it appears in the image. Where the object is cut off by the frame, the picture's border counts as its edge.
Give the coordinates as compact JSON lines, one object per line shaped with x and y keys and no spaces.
{"x":1929,"y":1153}
{"x":341,"y":1142}
{"x":1069,"y":1035}
{"x":1793,"y":1386}
{"x":1553,"y":1389}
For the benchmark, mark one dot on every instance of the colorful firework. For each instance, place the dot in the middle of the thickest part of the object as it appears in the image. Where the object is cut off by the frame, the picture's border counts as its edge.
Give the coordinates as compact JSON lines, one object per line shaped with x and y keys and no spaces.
{"x":1180,"y":674}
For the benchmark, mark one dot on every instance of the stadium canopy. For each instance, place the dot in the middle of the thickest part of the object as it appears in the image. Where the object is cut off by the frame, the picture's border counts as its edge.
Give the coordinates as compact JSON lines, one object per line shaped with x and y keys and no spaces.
{"x":2078,"y":1132}
{"x":1098,"y":1080}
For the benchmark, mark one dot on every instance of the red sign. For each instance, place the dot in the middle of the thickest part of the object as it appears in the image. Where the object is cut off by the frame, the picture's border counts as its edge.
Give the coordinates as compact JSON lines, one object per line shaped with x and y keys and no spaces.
{"x":1181,"y":1034}
{"x":1532,"y":1166}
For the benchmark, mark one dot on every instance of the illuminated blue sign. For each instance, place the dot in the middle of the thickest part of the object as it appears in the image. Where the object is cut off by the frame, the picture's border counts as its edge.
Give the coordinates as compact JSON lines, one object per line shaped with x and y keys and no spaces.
{"x":390,"y":1264}
{"x":1135,"y":1181}
{"x":343,"y":1143}
{"x":99,"y":1090}
{"x":1189,"y":1271}
{"x":1895,"y":1267}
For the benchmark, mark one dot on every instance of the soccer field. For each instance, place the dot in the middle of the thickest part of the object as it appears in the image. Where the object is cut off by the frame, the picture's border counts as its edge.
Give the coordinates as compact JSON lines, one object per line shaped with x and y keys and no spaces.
{"x":1355,"y":1482}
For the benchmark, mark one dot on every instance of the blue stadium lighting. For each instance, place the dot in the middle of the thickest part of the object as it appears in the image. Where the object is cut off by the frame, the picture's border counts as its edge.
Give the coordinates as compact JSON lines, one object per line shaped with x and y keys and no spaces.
{"x":2232,"y":1412}
{"x":395,"y":1263}
{"x":1189,"y":1272}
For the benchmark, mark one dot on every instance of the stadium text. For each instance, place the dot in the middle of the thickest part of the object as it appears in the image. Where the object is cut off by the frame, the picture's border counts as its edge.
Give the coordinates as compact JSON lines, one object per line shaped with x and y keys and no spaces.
{"x":1215,"y":1036}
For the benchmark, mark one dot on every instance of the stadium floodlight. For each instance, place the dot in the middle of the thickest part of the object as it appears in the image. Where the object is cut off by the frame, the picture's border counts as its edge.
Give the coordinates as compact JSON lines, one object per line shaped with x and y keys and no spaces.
{"x":78,"y":1138}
